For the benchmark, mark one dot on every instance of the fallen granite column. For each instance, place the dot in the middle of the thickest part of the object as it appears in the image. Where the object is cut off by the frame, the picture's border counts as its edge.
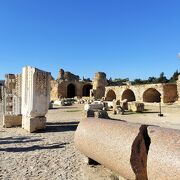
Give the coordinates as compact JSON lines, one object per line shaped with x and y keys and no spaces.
{"x":164,"y":153}
{"x":35,"y":98}
{"x":134,"y":151}
{"x":119,"y":146}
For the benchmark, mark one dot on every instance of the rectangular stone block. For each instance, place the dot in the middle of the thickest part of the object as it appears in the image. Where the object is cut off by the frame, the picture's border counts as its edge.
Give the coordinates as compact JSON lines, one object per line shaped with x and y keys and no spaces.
{"x":93,"y":107}
{"x":136,"y":106}
{"x":35,"y":98}
{"x":33,"y":124}
{"x":12,"y":121}
{"x":35,"y":92}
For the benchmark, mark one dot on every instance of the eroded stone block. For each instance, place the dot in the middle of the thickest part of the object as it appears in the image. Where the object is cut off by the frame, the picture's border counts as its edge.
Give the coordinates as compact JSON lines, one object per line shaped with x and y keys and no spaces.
{"x":136,"y":106}
{"x":32,"y":124}
{"x":12,"y":121}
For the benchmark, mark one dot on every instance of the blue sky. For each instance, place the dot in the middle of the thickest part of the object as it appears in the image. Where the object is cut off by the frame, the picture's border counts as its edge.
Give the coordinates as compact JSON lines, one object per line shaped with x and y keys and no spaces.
{"x":124,"y":38}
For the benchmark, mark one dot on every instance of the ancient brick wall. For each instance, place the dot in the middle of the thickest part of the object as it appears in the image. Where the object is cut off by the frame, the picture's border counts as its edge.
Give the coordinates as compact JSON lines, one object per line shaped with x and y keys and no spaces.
{"x":166,"y":92}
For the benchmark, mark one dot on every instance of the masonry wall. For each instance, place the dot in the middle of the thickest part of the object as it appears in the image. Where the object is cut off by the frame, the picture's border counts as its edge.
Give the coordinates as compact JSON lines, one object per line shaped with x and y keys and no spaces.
{"x":60,"y":89}
{"x":138,"y":90}
{"x":170,"y":93}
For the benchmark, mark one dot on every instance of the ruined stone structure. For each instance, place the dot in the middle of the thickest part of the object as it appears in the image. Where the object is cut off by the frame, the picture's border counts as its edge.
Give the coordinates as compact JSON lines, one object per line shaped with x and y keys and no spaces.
{"x":68,"y":85}
{"x":148,"y":93}
{"x":11,"y":96}
{"x":1,"y":89}
{"x":35,"y":98}
{"x":99,"y":84}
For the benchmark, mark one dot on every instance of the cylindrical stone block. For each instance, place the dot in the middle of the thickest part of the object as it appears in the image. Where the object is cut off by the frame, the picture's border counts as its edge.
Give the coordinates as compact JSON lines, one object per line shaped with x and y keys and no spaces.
{"x":164,"y":154}
{"x":117,"y":145}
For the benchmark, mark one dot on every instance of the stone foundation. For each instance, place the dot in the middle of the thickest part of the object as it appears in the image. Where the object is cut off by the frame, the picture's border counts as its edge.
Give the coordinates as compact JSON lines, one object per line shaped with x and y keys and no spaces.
{"x":12,"y":121}
{"x":32,"y":124}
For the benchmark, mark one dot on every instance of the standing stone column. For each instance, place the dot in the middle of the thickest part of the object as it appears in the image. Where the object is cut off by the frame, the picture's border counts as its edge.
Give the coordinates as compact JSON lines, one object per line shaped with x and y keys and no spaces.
{"x":99,"y":84}
{"x":35,"y":98}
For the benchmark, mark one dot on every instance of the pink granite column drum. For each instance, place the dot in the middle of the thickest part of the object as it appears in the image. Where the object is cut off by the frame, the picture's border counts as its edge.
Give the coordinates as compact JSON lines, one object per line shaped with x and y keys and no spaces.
{"x":119,"y":146}
{"x":164,"y":154}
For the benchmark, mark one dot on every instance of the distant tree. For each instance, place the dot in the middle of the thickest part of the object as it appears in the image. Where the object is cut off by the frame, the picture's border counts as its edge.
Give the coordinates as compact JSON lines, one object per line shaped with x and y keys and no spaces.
{"x":137,"y":81}
{"x":121,"y":80}
{"x":174,"y":77}
{"x":162,"y":78}
{"x":152,"y":80}
{"x":110,"y":79}
{"x":86,"y":79}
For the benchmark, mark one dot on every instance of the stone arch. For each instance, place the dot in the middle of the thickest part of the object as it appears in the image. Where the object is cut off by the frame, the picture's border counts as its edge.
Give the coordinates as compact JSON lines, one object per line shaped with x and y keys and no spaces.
{"x":151,"y":95}
{"x":86,"y":89}
{"x":111,"y":95}
{"x":129,"y":95}
{"x":71,"y":90}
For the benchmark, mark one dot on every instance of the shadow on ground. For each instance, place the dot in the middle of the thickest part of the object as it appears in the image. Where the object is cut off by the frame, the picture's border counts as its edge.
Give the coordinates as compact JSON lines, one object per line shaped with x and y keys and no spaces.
{"x":23,"y":139}
{"x":62,"y":107}
{"x":61,"y":126}
{"x":33,"y":148}
{"x":144,"y":112}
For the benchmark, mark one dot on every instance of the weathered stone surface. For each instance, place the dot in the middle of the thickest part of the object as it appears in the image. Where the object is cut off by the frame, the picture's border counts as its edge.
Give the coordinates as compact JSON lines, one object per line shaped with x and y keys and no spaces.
{"x":33,"y":124}
{"x":12,"y":121}
{"x":164,"y":154}
{"x":68,"y":85}
{"x":94,"y":106}
{"x":101,"y":114}
{"x":147,"y":93}
{"x":11,"y":95}
{"x":89,"y":113}
{"x":35,"y":98}
{"x":99,"y":84}
{"x":136,"y":106}
{"x":118,"y":146}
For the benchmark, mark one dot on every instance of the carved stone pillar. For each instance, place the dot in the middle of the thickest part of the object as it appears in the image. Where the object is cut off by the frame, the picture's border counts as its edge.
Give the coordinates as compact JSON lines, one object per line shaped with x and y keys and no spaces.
{"x":35,"y":98}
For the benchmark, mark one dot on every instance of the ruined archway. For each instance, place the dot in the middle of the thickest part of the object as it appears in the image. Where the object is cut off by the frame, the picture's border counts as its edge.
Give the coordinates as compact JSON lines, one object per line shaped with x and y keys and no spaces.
{"x":151,"y":95}
{"x":71,"y":91}
{"x":86,"y":89}
{"x":110,"y":96}
{"x":129,"y":95}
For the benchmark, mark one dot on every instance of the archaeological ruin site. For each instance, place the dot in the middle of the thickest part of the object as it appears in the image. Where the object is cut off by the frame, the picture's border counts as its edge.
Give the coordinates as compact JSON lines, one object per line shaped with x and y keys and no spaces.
{"x":72,"y":128}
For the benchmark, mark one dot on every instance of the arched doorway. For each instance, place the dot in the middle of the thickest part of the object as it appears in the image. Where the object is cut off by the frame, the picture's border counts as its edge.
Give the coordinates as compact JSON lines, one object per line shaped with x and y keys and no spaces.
{"x":151,"y":95}
{"x":71,"y":91}
{"x":86,"y":89}
{"x":110,"y":96}
{"x":129,"y":95}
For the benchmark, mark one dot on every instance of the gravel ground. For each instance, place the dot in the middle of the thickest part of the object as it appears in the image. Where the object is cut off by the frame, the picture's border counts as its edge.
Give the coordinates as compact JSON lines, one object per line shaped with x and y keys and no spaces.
{"x":51,"y":154}
{"x":45,"y":155}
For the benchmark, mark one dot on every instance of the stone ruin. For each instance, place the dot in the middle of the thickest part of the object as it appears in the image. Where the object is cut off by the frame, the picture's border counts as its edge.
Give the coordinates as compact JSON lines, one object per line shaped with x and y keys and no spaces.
{"x":35,"y":98}
{"x":99,"y":84}
{"x":11,"y":98}
{"x":68,"y":85}
{"x":26,"y":99}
